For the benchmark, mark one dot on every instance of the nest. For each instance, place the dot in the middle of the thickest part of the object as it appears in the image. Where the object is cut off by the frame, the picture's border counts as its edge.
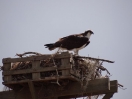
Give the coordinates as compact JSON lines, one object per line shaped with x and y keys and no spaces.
{"x":83,"y":68}
{"x":89,"y":69}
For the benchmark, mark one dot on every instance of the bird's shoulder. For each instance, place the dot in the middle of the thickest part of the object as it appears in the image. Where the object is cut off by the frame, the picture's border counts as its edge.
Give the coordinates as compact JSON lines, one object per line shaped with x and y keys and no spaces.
{"x":71,"y":36}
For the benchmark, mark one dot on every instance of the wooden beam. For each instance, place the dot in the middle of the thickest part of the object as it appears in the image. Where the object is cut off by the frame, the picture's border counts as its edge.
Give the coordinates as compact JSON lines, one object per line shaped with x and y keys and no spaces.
{"x":40,"y":80}
{"x":108,"y":96}
{"x":113,"y":89}
{"x":12,"y":72}
{"x":7,"y":95}
{"x":94,"y":87}
{"x":35,"y":66}
{"x":71,"y":90}
{"x":65,"y":63}
{"x":32,"y":58}
{"x":32,"y":89}
{"x":6,"y":68}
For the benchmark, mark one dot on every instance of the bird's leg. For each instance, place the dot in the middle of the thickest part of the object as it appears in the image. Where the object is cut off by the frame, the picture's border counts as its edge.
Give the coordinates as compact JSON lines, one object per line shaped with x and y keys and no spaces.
{"x":76,"y":52}
{"x":59,"y":51}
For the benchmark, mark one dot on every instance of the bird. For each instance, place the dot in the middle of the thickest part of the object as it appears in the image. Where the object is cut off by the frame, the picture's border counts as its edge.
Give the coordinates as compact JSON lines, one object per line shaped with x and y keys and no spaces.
{"x":73,"y":42}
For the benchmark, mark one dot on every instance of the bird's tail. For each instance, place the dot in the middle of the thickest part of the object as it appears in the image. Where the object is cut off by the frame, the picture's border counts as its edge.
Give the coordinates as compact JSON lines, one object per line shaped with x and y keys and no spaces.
{"x":50,"y":46}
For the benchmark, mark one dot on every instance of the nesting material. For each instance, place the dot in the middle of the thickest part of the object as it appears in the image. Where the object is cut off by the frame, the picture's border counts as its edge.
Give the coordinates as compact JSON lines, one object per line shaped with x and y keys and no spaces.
{"x":88,"y":69}
{"x":21,"y":65}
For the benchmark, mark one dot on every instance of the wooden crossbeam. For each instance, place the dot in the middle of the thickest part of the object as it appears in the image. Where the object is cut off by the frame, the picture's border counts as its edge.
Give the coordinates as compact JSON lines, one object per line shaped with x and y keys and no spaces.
{"x":32,"y":58}
{"x":40,"y":80}
{"x":71,"y":90}
{"x":113,"y":89}
{"x":39,"y":69}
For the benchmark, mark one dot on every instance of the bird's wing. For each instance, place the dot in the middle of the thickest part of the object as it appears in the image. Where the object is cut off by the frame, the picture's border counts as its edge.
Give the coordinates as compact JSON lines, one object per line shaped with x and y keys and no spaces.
{"x":72,"y":41}
{"x":77,"y":35}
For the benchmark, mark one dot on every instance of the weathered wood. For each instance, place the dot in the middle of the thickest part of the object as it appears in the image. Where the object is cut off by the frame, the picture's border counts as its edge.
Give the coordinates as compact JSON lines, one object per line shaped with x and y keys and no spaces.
{"x":7,"y":95}
{"x":32,"y":58}
{"x":65,"y":63}
{"x":40,"y":80}
{"x":32,"y":89}
{"x":39,"y":69}
{"x":46,"y":87}
{"x":19,"y":95}
{"x":108,"y":96}
{"x":113,"y":89}
{"x":72,"y":90}
{"x":35,"y":66}
{"x":6,"y":68}
{"x":94,"y":87}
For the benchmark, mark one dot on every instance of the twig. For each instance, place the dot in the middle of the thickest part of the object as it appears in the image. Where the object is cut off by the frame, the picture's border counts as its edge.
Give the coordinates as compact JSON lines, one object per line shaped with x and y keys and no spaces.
{"x":56,"y":67}
{"x":97,"y":71}
{"x":94,"y":59}
{"x":104,"y":69}
{"x":21,"y":55}
{"x":53,"y":55}
{"x":121,"y":86}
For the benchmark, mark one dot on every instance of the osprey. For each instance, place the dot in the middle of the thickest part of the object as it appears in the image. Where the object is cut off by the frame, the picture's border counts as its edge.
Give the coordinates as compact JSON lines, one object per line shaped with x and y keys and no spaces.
{"x":73,"y":42}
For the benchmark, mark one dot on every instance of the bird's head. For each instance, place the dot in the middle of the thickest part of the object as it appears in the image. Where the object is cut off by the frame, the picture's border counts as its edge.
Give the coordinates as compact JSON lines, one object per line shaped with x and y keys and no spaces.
{"x":88,"y":33}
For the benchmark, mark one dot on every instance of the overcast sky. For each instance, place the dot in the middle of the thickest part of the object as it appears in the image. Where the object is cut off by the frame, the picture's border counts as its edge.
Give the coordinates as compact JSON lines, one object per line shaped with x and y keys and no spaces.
{"x":26,"y":25}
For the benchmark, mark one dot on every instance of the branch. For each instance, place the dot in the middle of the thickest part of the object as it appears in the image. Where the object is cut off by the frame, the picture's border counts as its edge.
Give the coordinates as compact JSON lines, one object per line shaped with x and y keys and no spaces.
{"x":121,"y":86}
{"x":56,"y":72}
{"x":21,"y":55}
{"x":94,"y":59}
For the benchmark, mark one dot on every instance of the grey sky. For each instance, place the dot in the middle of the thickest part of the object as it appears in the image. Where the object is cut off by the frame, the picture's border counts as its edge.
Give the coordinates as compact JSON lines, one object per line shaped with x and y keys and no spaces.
{"x":26,"y":25}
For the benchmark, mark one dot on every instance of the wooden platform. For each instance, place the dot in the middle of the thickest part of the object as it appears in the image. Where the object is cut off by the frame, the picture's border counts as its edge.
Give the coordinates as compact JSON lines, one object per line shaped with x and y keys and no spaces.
{"x":64,"y":84}
{"x":72,"y":90}
{"x":36,"y":69}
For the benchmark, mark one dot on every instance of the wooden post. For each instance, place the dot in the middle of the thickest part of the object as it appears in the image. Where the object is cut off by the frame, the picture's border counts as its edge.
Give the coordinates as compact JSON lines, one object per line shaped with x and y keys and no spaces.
{"x":35,"y":66}
{"x":65,"y":62}
{"x":32,"y":89}
{"x":7,"y":66}
{"x":108,"y":96}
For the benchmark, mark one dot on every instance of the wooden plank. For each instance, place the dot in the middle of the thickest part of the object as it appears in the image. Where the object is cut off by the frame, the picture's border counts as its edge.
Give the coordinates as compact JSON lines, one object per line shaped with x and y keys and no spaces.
{"x":113,"y":89}
{"x":24,"y":94}
{"x":71,"y":90}
{"x":65,"y":63}
{"x":32,"y":89}
{"x":7,"y":95}
{"x":108,"y":96}
{"x":40,"y":69}
{"x":7,"y":67}
{"x":18,"y":95}
{"x":38,"y":80}
{"x":35,"y":66}
{"x":32,"y":58}
{"x":94,"y":87}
